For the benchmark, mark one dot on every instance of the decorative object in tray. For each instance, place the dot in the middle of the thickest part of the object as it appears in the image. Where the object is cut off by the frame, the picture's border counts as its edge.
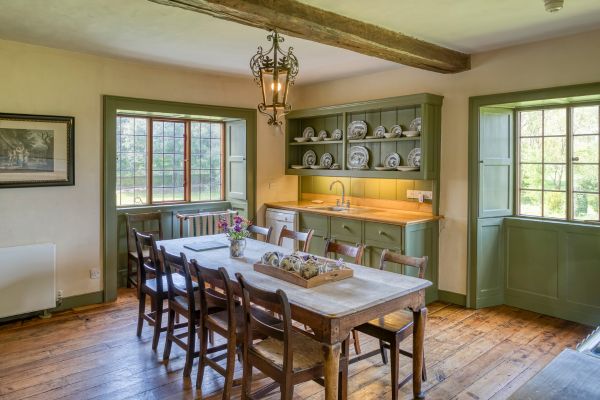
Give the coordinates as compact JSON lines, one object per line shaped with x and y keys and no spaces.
{"x":337,"y":134}
{"x":326,"y":160}
{"x":357,"y":130}
{"x":309,"y":158}
{"x":358,"y":158}
{"x":415,"y":124}
{"x":302,"y":269}
{"x":414,"y":157}
{"x":308,"y":132}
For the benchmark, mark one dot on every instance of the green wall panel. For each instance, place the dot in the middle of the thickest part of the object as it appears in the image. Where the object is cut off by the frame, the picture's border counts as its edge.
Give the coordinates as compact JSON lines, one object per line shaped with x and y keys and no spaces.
{"x":583,"y":269}
{"x":490,"y":266}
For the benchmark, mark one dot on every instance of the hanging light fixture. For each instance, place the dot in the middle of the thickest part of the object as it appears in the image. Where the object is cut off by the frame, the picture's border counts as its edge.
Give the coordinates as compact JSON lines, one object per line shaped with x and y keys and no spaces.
{"x":274,"y":71}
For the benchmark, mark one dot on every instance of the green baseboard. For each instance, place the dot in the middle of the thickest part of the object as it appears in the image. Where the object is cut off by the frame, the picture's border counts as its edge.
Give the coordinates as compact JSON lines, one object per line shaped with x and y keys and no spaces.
{"x":451,"y":297}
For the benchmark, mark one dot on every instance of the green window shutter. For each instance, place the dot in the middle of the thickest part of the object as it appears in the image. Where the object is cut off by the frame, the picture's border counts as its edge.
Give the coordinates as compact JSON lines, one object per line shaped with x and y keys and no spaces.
{"x":495,"y":162}
{"x":235,"y":164}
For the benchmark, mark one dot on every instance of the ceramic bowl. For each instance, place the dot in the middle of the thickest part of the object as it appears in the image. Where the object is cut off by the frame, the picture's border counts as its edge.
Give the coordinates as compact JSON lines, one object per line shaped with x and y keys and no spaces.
{"x":390,"y":135}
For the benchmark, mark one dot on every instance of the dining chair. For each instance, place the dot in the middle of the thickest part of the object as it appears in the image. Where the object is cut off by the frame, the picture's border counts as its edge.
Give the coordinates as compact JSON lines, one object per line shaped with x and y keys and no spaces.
{"x":183,"y":301}
{"x":261,"y":230}
{"x":304,"y":237}
{"x":203,"y":223}
{"x":332,"y":248}
{"x":287,"y":355}
{"x":146,"y":223}
{"x":393,"y":328}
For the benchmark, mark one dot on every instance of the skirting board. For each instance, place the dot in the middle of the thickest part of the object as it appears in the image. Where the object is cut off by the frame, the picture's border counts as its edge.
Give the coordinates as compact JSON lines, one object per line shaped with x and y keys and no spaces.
{"x":451,"y":297}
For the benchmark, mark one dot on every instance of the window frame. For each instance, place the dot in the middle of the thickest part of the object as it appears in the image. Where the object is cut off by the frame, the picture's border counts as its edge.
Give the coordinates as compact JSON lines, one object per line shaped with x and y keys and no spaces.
{"x":569,"y":218}
{"x":186,"y":160}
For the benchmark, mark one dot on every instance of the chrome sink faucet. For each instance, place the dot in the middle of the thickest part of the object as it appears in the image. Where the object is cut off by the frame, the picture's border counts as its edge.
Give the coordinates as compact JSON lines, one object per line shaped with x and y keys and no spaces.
{"x":347,"y":204}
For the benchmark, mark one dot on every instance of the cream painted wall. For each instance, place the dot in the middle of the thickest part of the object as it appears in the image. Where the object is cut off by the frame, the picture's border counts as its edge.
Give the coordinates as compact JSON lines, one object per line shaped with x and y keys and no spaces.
{"x":39,"y":80}
{"x":564,"y":61}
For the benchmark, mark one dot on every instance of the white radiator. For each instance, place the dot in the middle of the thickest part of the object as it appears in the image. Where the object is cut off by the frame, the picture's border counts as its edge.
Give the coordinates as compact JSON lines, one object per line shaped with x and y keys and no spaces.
{"x":27,"y":279}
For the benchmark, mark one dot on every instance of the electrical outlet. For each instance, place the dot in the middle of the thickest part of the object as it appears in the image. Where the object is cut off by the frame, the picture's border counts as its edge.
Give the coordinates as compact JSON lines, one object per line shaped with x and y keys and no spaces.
{"x":419,"y":194}
{"x":94,"y":273}
{"x":59,"y":297}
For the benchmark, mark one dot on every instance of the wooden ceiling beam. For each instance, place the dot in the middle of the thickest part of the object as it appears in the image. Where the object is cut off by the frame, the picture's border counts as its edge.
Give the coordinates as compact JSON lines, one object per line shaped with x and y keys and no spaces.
{"x":306,"y":22}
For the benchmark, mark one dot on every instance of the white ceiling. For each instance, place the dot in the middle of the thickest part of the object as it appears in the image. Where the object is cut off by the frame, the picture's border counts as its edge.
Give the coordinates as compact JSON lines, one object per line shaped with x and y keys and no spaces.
{"x":142,"y":30}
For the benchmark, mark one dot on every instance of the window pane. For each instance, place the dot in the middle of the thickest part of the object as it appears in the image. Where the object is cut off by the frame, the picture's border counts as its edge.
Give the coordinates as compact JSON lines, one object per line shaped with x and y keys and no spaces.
{"x":206,"y":160}
{"x":531,"y":203}
{"x":555,"y":205}
{"x":585,"y":149}
{"x":585,"y":206}
{"x":531,"y":150}
{"x":555,"y":150}
{"x":555,"y":177}
{"x":585,"y":120}
{"x":168,"y":162}
{"x":131,"y":181}
{"x":531,"y":176}
{"x":555,"y":122}
{"x":585,"y":178}
{"x":531,"y":123}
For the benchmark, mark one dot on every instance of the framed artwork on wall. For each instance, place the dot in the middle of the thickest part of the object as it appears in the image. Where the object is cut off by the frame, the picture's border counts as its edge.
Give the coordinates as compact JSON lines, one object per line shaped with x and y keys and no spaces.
{"x":36,"y":150}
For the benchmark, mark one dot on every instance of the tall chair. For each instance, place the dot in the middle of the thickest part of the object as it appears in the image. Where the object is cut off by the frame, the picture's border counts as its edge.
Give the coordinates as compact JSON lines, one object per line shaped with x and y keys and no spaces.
{"x":393,"y":328}
{"x":355,"y":252}
{"x":204,"y":223}
{"x":182,"y":301}
{"x":304,"y":237}
{"x":146,"y":223}
{"x":256,"y":230}
{"x":287,"y":355}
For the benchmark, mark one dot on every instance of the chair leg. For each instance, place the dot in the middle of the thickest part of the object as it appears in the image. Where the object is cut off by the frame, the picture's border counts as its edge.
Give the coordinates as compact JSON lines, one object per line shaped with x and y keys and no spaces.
{"x":246,"y":378}
{"x":191,"y":346}
{"x":141,"y":311}
{"x":203,"y":340}
{"x":129,"y":273}
{"x":169,"y":335}
{"x":424,"y":374}
{"x":383,"y":352}
{"x":395,"y":361}
{"x":356,"y":341}
{"x":158,"y":311}
{"x":229,"y":368}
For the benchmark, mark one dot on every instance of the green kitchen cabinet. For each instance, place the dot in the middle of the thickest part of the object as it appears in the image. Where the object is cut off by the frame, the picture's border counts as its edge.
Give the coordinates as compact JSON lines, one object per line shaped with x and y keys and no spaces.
{"x":422,"y":240}
{"x":320,"y":224}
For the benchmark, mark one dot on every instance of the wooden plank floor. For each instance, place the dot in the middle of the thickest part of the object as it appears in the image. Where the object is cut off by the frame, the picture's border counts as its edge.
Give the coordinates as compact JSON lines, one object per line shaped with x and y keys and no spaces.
{"x":93,"y":353}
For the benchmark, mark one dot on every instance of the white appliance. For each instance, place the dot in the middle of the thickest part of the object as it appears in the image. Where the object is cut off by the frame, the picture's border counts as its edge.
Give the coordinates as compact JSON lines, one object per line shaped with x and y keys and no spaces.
{"x":27,"y":279}
{"x":278,"y":219}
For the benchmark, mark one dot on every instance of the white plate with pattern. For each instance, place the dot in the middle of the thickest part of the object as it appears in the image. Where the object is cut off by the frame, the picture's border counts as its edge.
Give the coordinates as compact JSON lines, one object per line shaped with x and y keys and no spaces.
{"x":337,"y":134}
{"x":358,"y":157}
{"x":392,"y":160}
{"x":414,"y":158}
{"x":357,"y":130}
{"x":326,"y":160}
{"x":379,"y":131}
{"x":322,"y":134}
{"x":415,"y":124}
{"x":397,"y":129}
{"x":309,"y":131}
{"x":309,"y":158}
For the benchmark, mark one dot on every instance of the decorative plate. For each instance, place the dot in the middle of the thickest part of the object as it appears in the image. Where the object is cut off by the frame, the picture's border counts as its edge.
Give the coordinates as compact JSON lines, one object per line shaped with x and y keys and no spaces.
{"x":414,"y":157}
{"x":397,"y":129}
{"x":326,"y":160}
{"x":415,"y":124}
{"x":405,"y":168}
{"x":358,"y":157}
{"x":322,"y":134}
{"x":337,"y":134}
{"x":379,"y":131}
{"x":309,"y":131}
{"x":309,"y":158}
{"x":392,"y":160}
{"x":335,"y":166}
{"x":357,"y":130}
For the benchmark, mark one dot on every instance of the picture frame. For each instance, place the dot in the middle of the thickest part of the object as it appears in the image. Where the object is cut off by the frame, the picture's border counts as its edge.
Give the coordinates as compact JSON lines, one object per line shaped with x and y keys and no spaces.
{"x":36,"y":150}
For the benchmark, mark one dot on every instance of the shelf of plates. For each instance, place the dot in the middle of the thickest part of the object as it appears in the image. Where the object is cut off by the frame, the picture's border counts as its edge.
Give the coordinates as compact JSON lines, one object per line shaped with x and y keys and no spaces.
{"x":385,"y":112}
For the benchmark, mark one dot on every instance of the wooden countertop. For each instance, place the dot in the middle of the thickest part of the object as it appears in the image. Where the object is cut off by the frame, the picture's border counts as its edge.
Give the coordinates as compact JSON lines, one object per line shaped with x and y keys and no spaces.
{"x":384,"y":215}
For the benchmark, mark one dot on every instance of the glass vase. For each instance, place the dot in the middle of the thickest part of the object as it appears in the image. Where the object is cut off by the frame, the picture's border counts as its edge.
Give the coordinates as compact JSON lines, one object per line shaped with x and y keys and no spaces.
{"x":236,"y":247}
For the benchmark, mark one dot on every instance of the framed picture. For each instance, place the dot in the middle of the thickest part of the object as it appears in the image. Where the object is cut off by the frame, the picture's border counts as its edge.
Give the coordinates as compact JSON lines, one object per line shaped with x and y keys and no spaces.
{"x":36,"y":150}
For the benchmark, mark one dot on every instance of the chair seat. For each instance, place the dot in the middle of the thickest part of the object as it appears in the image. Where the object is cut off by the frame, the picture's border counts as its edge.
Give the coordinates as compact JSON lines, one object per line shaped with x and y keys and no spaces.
{"x":393,"y":322}
{"x":220,"y":319}
{"x":308,"y":352}
{"x":178,"y":281}
{"x":145,"y":253}
{"x":183,"y":301}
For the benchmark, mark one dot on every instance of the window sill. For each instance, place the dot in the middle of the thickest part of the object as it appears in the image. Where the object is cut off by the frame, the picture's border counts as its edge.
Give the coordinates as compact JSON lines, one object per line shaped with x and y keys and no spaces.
{"x":208,"y":205}
{"x":585,"y":224}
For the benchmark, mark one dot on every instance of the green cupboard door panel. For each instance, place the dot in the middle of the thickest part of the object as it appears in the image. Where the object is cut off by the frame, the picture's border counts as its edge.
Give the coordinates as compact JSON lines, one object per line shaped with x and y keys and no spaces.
{"x":495,"y":162}
{"x":320,"y":225}
{"x":373,"y":256}
{"x":490,"y":262}
{"x":583,"y":268}
{"x":532,"y":260}
{"x":418,"y":243}
{"x":236,"y":160}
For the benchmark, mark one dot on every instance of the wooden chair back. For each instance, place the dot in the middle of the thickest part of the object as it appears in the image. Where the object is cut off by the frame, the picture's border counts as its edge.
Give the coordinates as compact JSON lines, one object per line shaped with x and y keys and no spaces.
{"x":211,"y":299}
{"x":356,"y":252}
{"x":178,"y":264}
{"x":150,"y":265}
{"x":304,"y":237}
{"x":261,"y":230}
{"x":202,"y":224}
{"x":416,"y":262}
{"x":275,"y":302}
{"x":146,"y":223}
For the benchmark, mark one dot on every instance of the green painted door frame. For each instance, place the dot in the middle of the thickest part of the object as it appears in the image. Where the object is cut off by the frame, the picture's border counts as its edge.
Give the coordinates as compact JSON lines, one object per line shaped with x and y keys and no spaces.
{"x":548,"y":96}
{"x":113,"y":104}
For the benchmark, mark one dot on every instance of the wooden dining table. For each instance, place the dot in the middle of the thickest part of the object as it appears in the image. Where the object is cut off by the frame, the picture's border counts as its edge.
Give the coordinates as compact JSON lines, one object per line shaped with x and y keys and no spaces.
{"x":331,"y":310}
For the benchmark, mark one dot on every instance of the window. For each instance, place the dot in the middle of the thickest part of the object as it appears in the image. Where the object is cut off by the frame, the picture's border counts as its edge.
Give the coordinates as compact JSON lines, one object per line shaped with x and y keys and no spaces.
{"x":153,"y":155}
{"x":558,"y":168}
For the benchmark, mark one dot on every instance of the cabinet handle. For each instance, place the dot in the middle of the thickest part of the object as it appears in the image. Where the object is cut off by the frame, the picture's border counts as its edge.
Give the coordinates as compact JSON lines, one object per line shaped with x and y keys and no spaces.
{"x":344,"y":226}
{"x":382,"y":233}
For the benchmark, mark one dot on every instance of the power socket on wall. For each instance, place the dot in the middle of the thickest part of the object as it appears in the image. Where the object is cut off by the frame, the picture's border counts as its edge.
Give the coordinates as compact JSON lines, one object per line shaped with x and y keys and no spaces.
{"x":94,"y":273}
{"x":419,"y":194}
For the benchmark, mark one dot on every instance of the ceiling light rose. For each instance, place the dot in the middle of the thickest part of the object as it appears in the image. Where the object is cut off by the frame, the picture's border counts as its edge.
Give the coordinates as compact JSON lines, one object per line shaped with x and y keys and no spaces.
{"x":553,"y":5}
{"x":274,"y":71}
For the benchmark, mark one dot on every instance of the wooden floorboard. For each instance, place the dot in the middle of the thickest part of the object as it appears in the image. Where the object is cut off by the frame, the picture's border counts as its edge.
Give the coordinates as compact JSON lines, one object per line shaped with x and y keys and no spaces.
{"x":93,"y":353}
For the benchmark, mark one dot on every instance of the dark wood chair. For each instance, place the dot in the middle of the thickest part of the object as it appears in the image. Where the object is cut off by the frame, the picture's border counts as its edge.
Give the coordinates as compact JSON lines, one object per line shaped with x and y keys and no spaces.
{"x":288,"y":355}
{"x":261,"y":230}
{"x":304,"y":237}
{"x":183,"y":301}
{"x":393,"y":328}
{"x":355,"y":252}
{"x":148,"y":224}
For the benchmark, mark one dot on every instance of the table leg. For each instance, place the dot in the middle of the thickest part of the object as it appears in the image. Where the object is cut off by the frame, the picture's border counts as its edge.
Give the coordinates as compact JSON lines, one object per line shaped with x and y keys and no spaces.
{"x":420,"y":316}
{"x":331,"y":368}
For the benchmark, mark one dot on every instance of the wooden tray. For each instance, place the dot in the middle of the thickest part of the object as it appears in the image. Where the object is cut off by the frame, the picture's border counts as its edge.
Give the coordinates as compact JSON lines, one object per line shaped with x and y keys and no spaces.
{"x":296,"y":279}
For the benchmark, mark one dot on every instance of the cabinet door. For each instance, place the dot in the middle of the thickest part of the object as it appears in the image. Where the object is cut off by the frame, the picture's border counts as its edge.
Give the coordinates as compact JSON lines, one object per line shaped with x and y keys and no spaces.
{"x":320,"y":225}
{"x":373,"y":257}
{"x":346,"y":229}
